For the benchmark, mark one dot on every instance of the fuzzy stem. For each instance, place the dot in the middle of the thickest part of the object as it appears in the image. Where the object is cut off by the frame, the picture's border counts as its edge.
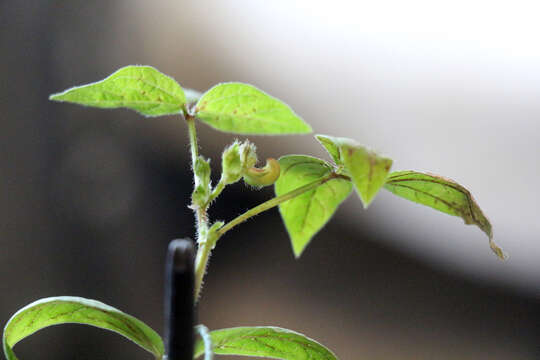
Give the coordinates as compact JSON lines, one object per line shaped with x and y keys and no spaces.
{"x":217,"y":191}
{"x":201,"y":262}
{"x":192,"y":139}
{"x":204,"y":249}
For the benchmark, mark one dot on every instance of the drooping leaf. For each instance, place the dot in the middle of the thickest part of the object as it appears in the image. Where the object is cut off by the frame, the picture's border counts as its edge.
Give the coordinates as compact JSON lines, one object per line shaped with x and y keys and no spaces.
{"x":332,"y":149}
{"x":244,"y":109}
{"x":444,"y":195}
{"x":140,"y":88}
{"x":69,"y":309}
{"x":306,"y":214}
{"x":366,"y":168}
{"x":268,"y":342}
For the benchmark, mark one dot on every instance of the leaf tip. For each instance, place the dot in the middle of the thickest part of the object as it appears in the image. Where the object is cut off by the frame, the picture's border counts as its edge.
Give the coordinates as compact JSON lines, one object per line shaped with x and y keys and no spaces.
{"x":297,"y":251}
{"x":307,"y":128}
{"x":298,"y":247}
{"x":501,"y":254}
{"x":56,"y":97}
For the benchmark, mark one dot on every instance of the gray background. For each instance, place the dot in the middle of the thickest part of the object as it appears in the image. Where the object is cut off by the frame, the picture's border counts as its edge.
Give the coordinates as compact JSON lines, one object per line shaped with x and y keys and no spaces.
{"x":90,"y":198}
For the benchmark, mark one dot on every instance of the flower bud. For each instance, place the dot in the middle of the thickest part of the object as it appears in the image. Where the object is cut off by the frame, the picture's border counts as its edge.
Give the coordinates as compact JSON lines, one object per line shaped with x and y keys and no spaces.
{"x":231,"y":164}
{"x":236,"y":159}
{"x":248,"y":153}
{"x":202,"y":190}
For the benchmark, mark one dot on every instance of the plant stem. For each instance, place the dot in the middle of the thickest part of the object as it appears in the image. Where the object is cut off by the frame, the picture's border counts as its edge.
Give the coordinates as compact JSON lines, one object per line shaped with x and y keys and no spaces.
{"x":204,"y":249}
{"x":275,"y":202}
{"x":201,"y":261}
{"x":217,"y":190}
{"x":192,"y":139}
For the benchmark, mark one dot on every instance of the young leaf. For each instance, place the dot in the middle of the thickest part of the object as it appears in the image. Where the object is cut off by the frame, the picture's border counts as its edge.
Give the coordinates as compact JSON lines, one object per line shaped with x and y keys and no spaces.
{"x":140,"y":88}
{"x":306,"y":214}
{"x":367,"y":170}
{"x":328,"y":143}
{"x":244,"y":109}
{"x":268,"y":342}
{"x":68,"y":309}
{"x":444,"y":195}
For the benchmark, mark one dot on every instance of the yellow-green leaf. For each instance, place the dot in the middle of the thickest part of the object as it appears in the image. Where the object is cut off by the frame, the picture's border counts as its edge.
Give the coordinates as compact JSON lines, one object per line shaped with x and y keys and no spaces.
{"x":328,"y":143}
{"x":244,"y":109}
{"x":266,"y":342}
{"x":140,"y":88}
{"x":306,"y":214}
{"x":69,"y":309}
{"x":367,"y":169}
{"x":444,"y":195}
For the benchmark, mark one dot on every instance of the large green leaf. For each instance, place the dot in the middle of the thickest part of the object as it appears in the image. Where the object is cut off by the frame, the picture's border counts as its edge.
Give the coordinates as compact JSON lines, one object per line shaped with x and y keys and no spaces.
{"x":366,"y":168}
{"x":444,"y":195}
{"x":268,"y":342}
{"x":244,"y":109}
{"x":68,"y":309}
{"x":140,"y":88}
{"x":306,"y":214}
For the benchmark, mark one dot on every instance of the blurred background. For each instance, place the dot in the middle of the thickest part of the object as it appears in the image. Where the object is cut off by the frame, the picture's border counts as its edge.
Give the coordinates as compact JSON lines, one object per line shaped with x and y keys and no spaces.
{"x":90,"y":198}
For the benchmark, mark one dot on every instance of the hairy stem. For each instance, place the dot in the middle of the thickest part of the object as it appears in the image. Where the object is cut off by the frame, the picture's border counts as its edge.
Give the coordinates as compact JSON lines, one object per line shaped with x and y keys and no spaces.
{"x":275,"y":202}
{"x":192,"y":139}
{"x":204,"y":249}
{"x":201,"y":262}
{"x":217,"y":190}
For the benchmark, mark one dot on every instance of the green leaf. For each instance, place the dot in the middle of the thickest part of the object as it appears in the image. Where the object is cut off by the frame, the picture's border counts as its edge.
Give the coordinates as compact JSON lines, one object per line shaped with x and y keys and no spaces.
{"x":140,"y":88}
{"x":306,"y":214}
{"x":244,"y":109}
{"x":367,"y":170}
{"x":68,"y":309}
{"x":444,"y":195}
{"x":328,"y":143}
{"x":270,"y":342}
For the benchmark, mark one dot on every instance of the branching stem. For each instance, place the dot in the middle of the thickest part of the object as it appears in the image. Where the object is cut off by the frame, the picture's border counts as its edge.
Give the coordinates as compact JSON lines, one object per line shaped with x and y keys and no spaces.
{"x":217,"y":191}
{"x":204,"y":249}
{"x":275,"y":202}
{"x":205,"y":242}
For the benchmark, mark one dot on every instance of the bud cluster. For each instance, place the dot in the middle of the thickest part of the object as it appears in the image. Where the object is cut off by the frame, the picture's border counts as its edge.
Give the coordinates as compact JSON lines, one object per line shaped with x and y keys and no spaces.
{"x":236,"y":160}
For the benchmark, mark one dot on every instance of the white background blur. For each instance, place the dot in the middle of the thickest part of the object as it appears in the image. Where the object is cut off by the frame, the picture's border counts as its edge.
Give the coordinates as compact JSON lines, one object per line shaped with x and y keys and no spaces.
{"x":452,"y":88}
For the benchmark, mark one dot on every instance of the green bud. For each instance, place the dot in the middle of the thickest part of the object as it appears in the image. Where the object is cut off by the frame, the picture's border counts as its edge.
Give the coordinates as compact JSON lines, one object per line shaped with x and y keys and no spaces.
{"x":231,"y":164}
{"x":248,"y":153}
{"x":236,"y":160}
{"x":202,"y":190}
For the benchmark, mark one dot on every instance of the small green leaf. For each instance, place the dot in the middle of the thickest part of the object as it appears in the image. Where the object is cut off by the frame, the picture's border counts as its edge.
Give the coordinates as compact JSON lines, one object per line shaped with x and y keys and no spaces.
{"x":244,"y":109}
{"x":68,"y":309}
{"x":367,"y":170}
{"x":306,"y":214}
{"x":444,"y":195}
{"x":140,"y":88}
{"x":269,"y":342}
{"x":328,"y":143}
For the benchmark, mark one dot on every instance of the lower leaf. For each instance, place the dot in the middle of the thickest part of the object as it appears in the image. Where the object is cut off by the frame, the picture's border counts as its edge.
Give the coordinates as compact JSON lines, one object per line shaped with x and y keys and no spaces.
{"x":68,"y":309}
{"x":265,"y":341}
